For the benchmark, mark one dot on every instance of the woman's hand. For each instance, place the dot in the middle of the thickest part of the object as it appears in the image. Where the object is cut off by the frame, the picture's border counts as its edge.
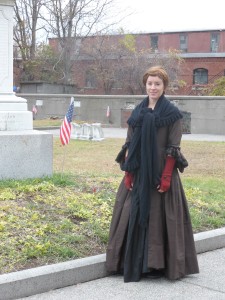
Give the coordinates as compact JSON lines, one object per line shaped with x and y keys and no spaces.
{"x":160,"y":189}
{"x":128,"y":180}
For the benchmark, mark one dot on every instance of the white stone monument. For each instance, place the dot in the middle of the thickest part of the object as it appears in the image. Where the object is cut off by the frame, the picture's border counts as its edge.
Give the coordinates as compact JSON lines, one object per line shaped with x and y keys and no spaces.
{"x":24,"y":152}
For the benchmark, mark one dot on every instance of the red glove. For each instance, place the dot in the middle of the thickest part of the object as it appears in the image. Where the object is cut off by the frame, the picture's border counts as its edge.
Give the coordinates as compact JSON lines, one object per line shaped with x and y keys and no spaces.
{"x":128,"y":180}
{"x":167,"y":174}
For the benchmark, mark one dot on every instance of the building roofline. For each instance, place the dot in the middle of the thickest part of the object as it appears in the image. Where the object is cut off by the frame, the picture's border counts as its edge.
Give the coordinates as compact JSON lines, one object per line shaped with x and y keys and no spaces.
{"x":152,"y":32}
{"x":179,"y":31}
{"x":201,"y":55}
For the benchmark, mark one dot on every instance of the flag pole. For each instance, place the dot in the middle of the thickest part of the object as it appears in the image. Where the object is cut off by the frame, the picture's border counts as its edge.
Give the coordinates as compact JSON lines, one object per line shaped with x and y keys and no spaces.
{"x":65,"y":130}
{"x":63,"y":161}
{"x":108,"y":114}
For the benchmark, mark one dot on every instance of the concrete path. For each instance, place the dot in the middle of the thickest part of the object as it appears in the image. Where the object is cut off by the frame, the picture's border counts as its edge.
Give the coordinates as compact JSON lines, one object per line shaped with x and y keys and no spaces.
{"x":209,"y":284}
{"x":121,"y":133}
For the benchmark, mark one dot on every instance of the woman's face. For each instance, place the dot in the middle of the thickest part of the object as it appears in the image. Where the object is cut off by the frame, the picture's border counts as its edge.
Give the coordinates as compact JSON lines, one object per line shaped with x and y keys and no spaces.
{"x":154,"y":87}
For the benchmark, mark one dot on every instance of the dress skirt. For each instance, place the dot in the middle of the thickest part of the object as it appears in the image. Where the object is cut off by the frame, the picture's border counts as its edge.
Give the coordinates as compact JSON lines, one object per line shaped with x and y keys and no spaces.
{"x":167,"y":243}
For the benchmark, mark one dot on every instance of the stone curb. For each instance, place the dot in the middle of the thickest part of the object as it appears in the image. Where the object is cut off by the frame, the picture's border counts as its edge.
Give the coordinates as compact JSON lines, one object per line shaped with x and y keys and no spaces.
{"x":43,"y":279}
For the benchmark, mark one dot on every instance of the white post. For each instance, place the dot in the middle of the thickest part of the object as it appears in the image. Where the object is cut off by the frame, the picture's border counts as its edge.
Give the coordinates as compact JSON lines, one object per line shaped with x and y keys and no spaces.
{"x":13,"y":110}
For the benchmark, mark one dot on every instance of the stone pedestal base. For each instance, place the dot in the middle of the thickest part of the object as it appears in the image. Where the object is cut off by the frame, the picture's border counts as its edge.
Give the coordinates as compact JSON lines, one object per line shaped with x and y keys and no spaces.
{"x":16,"y":120}
{"x":25,"y":154}
{"x":14,"y":114}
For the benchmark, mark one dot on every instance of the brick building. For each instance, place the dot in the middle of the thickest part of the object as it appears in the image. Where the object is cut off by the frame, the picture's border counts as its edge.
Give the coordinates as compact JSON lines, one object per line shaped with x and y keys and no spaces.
{"x":203,"y":52}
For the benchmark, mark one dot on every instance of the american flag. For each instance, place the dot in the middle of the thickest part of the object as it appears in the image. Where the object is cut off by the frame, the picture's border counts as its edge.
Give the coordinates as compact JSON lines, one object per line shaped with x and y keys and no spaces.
{"x":66,"y":127}
{"x":108,"y":112}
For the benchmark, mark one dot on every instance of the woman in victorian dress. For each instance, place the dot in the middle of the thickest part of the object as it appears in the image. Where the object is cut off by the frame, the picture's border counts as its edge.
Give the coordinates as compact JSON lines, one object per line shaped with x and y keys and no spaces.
{"x":151,"y":233}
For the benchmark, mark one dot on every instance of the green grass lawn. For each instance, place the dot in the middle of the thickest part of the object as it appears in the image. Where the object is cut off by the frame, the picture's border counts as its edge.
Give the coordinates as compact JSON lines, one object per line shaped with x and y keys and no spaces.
{"x":49,"y":220}
{"x":47,"y":123}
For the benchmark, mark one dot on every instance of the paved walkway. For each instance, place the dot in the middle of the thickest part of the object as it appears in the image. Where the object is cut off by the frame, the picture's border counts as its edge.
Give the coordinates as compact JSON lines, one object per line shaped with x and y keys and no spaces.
{"x":121,"y":133}
{"x":209,"y":284}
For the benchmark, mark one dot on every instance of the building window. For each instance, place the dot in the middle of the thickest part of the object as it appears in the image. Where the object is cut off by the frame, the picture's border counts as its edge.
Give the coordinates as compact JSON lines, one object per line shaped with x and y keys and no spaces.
{"x":200,"y":76}
{"x":214,"y":42}
{"x":183,"y":42}
{"x":90,"y":79}
{"x":154,"y":42}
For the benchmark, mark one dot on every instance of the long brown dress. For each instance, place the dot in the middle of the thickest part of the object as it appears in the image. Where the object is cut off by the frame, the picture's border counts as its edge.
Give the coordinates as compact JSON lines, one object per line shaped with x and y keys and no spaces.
{"x":168,"y":241}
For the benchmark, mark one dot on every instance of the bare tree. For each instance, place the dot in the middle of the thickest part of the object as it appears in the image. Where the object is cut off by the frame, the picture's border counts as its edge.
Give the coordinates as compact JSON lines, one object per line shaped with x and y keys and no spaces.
{"x":139,"y":59}
{"x":69,"y":20}
{"x":26,"y":14}
{"x":119,"y":62}
{"x":104,"y":55}
{"x":132,"y":66}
